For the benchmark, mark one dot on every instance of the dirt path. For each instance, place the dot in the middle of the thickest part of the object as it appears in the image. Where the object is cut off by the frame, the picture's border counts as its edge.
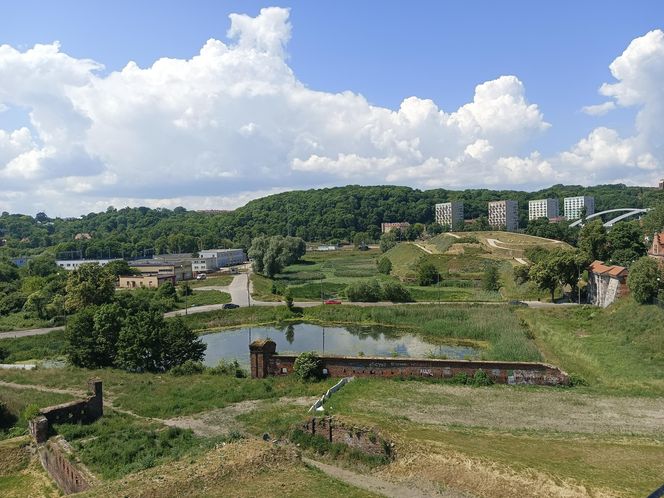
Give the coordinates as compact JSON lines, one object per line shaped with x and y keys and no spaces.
{"x":37,"y":387}
{"x":376,"y":484}
{"x":27,"y":332}
{"x":424,"y":248}
{"x":222,"y":421}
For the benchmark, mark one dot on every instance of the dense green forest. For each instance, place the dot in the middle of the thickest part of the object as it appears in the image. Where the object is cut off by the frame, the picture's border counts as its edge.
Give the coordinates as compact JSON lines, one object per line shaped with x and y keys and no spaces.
{"x":314,"y":215}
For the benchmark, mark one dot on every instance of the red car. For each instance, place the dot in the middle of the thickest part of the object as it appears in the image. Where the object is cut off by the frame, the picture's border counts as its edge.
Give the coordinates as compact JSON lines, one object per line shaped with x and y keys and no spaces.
{"x":332,"y":301}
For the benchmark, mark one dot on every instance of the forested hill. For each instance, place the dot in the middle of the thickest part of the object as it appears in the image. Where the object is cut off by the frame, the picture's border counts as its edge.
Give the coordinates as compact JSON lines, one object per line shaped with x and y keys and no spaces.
{"x":320,"y":214}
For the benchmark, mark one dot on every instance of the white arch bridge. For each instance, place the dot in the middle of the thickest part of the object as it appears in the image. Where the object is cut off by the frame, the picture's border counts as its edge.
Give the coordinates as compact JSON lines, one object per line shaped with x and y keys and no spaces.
{"x":626,"y":213}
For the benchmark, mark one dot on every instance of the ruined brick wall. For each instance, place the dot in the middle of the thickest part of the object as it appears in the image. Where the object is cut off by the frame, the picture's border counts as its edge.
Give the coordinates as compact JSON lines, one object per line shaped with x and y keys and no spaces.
{"x":365,"y":440}
{"x":56,"y":460}
{"x":86,"y":410}
{"x":501,"y":372}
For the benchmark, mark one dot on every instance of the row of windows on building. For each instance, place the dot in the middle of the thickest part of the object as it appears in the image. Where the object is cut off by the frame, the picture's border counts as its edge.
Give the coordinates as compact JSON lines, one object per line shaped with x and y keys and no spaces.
{"x":505,"y":214}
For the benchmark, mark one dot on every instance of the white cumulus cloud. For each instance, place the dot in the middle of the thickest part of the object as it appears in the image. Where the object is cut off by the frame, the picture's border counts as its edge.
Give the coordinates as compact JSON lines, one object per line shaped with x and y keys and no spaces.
{"x":233,"y":122}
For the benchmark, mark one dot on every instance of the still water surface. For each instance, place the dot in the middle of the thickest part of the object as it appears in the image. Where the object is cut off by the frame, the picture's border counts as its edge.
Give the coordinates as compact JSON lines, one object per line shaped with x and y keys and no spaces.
{"x":338,"y":340}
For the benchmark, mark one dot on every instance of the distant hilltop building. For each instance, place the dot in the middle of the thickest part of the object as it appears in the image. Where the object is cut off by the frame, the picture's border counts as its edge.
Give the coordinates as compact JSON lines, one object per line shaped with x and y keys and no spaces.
{"x":661,"y":184}
{"x":388,"y":227}
{"x":543,"y":208}
{"x":504,"y":214}
{"x":82,"y":236}
{"x":449,"y":213}
{"x":574,"y":206}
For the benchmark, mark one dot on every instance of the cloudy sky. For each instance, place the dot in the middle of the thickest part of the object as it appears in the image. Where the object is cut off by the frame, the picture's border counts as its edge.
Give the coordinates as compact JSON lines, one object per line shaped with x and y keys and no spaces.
{"x":209,"y":104}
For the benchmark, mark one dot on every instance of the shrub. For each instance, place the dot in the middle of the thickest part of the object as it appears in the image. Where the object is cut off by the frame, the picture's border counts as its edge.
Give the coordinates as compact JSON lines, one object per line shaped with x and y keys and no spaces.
{"x":308,"y":366}
{"x":384,"y":265}
{"x":577,"y":380}
{"x":189,"y":367}
{"x":481,"y":379}
{"x":369,"y":291}
{"x":490,"y":279}
{"x":427,"y":274}
{"x":461,"y":378}
{"x":29,"y":412}
{"x":397,"y":293}
{"x":227,"y":368}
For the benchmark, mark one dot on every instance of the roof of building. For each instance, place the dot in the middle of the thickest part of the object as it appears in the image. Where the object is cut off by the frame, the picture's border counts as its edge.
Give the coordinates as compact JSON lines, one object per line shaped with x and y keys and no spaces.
{"x":612,"y":271}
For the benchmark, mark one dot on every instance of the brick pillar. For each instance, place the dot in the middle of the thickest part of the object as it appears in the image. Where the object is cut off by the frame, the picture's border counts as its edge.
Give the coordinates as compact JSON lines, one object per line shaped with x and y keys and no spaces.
{"x":38,"y":428}
{"x":260,"y":352}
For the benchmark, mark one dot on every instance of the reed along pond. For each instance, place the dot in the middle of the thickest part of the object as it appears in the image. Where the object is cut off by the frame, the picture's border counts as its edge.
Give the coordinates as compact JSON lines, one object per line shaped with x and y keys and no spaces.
{"x":233,"y":344}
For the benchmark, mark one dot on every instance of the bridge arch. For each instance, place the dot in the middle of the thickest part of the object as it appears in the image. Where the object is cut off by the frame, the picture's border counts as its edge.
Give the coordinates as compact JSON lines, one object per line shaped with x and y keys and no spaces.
{"x":627,"y":212}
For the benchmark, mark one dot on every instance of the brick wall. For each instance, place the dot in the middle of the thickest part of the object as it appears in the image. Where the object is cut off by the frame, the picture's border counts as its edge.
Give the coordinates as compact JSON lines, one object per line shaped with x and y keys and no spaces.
{"x":265,"y":362}
{"x":55,"y":457}
{"x":365,"y":440}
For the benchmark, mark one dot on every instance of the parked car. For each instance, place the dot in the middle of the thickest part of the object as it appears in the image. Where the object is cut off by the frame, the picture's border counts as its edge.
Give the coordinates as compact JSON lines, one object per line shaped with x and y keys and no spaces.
{"x":332,"y":301}
{"x":201,"y":276}
{"x":229,"y":306}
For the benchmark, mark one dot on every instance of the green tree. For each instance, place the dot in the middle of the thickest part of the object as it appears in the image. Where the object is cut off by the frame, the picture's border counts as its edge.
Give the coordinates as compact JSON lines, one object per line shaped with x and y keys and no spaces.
{"x":653,"y":221}
{"x":545,"y":275}
{"x":308,"y":367}
{"x":427,"y":274}
{"x":119,"y":268}
{"x":395,"y":292}
{"x":594,"y":241}
{"x":149,"y":344}
{"x":645,"y":279}
{"x":384,"y":265}
{"x":491,"y":278}
{"x":42,"y":266}
{"x":92,"y":336}
{"x":625,"y":242}
{"x":88,"y":285}
{"x":387,"y":241}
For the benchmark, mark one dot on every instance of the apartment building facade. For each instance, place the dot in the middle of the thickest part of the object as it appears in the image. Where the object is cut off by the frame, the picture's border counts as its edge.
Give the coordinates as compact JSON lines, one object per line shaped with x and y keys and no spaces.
{"x":449,"y":213}
{"x":543,"y":208}
{"x":574,"y":206}
{"x":504,"y":214}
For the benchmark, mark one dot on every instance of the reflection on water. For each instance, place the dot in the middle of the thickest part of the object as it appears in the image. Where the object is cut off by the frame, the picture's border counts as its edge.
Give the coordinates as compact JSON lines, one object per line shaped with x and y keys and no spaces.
{"x":348,"y":340}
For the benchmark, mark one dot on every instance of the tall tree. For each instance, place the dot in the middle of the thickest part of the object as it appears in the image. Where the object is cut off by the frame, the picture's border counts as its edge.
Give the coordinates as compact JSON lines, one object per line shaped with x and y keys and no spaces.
{"x":88,"y":285}
{"x":645,"y":280}
{"x":626,"y":243}
{"x":593,"y":240}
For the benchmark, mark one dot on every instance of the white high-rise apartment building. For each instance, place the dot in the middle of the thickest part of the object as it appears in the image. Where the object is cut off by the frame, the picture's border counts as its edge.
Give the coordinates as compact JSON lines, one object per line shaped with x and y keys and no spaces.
{"x":449,"y":213}
{"x":543,"y":208}
{"x":504,"y":214}
{"x":574,"y":205}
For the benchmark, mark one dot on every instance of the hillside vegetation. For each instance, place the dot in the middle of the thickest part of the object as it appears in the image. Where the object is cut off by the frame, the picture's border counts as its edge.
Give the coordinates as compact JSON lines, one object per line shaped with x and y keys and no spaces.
{"x":321,"y":214}
{"x":620,"y":348}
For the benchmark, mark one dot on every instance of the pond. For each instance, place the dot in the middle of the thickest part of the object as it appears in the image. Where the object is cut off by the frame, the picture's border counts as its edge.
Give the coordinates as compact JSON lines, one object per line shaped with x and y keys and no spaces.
{"x":334,"y":340}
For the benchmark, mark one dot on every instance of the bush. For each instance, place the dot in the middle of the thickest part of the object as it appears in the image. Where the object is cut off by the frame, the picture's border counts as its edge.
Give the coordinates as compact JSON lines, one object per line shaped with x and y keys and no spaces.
{"x":189,"y":367}
{"x":490,"y":279}
{"x":461,"y":378}
{"x":308,"y":366}
{"x":368,"y":291}
{"x":227,"y":368}
{"x":481,"y":379}
{"x":384,"y":265}
{"x":577,"y":380}
{"x":397,"y":293}
{"x":427,"y":274}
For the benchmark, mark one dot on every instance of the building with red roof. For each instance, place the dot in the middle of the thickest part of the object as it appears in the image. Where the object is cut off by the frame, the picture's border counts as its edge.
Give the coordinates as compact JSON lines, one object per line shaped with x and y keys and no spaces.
{"x":606,"y":283}
{"x":657,"y":249}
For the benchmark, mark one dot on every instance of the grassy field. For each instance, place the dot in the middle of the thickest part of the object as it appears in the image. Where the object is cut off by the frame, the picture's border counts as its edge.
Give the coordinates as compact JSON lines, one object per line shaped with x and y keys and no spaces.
{"x":245,"y":468}
{"x":510,"y":245}
{"x":220,"y":280}
{"x":620,"y":348}
{"x":19,"y":321}
{"x":37,"y":347}
{"x":21,"y":474}
{"x":202,"y":297}
{"x":17,"y":400}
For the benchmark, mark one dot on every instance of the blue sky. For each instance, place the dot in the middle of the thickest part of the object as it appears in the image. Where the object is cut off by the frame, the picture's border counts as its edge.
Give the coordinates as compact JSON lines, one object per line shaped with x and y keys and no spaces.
{"x":385,"y":51}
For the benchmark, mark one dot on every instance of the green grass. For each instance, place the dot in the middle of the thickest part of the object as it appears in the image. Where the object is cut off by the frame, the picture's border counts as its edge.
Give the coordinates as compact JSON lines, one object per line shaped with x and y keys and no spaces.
{"x":620,"y":348}
{"x":118,"y":444}
{"x":166,"y":396}
{"x":442,"y":242}
{"x":21,"y":320}
{"x":203,"y":297}
{"x":16,"y":401}
{"x":220,"y":280}
{"x":404,"y":258}
{"x":36,"y":347}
